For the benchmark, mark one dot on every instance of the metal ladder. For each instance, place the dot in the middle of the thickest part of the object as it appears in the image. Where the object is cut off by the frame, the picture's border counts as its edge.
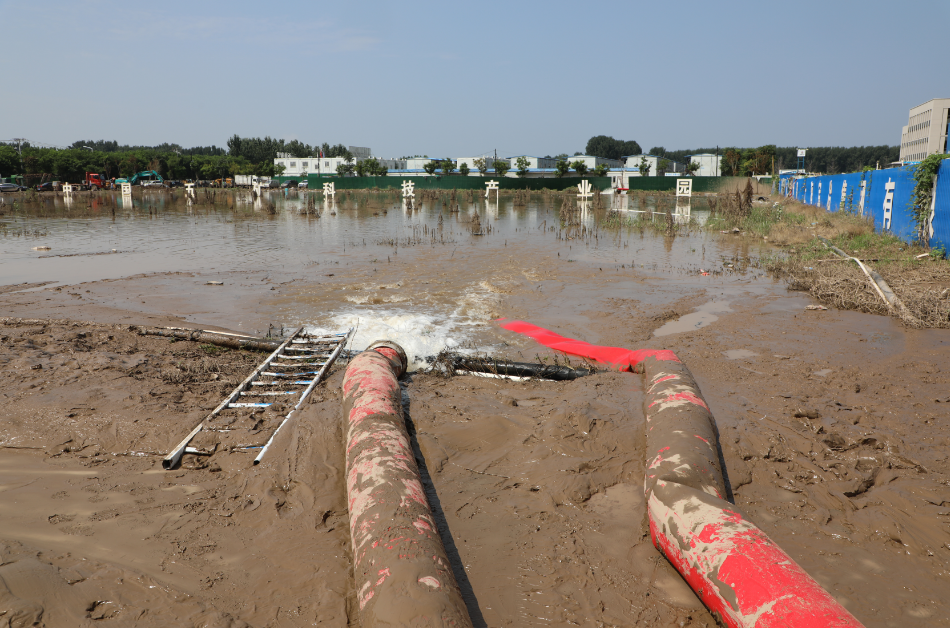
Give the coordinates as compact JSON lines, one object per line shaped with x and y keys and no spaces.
{"x":290,"y":373}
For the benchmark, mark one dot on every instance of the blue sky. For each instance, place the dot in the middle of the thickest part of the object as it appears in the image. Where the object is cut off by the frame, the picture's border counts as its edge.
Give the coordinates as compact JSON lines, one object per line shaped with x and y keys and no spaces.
{"x":458,"y":79}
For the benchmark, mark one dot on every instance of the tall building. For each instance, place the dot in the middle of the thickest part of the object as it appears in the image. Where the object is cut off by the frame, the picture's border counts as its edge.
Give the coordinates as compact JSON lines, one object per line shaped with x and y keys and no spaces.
{"x":926,"y":130}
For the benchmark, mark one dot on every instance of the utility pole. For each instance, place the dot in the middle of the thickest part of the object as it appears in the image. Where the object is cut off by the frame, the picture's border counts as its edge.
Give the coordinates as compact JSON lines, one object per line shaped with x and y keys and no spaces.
{"x":19,"y":141}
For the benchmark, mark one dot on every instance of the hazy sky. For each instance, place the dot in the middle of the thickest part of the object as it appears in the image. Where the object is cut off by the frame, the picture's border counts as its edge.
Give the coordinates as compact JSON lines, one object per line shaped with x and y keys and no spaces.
{"x":454,"y":79}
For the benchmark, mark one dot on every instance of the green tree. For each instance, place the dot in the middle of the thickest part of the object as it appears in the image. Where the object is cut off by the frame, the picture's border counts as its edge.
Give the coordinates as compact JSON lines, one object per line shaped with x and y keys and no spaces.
{"x":662,"y":167}
{"x":645,"y":166}
{"x":731,"y":162}
{"x":464,"y":169}
{"x":580,"y":167}
{"x":447,"y":166}
{"x":346,"y":167}
{"x":373,"y":168}
{"x":609,"y":148}
{"x":481,"y":164}
{"x":692,"y":167}
{"x":601,"y":170}
{"x":501,"y":167}
{"x":561,"y":168}
{"x":361,"y":167}
{"x":522,"y":164}
{"x":430,"y":167}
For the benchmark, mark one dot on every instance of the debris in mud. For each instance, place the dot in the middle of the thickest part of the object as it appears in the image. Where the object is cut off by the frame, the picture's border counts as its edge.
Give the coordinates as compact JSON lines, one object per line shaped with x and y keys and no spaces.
{"x":815,"y":307}
{"x":807,"y":413}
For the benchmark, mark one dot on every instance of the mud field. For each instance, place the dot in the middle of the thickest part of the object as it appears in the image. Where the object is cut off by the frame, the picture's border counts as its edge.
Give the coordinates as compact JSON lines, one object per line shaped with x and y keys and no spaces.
{"x":835,"y":430}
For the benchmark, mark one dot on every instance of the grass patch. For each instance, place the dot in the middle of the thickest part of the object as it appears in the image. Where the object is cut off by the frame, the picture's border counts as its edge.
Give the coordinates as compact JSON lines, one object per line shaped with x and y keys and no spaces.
{"x":919,"y":277}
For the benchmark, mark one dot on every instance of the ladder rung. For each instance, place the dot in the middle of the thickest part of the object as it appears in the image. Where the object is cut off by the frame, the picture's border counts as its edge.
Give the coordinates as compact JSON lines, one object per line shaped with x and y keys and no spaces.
{"x":249,"y":405}
{"x":303,"y":382}
{"x":312,"y":356}
{"x":289,"y":374}
{"x":282,"y":392}
{"x":294,"y":366}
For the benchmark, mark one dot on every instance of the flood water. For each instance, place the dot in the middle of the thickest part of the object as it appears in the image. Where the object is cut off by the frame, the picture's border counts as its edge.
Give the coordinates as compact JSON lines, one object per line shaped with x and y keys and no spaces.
{"x":416,"y":274}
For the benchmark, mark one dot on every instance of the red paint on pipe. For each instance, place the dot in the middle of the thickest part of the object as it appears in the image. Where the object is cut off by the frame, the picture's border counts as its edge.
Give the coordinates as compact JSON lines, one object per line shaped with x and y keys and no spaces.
{"x":400,"y":568}
{"x":740,"y":574}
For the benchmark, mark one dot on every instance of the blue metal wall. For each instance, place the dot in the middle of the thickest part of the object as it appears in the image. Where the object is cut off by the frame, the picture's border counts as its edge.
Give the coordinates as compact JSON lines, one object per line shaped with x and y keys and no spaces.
{"x":941,"y":220}
{"x":825,"y":191}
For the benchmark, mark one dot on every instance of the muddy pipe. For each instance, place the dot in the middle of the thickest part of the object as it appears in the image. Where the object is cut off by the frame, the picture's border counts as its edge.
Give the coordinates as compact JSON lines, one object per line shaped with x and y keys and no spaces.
{"x":519,"y":369}
{"x":214,"y":338}
{"x":401,"y":571}
{"x":738,"y":572}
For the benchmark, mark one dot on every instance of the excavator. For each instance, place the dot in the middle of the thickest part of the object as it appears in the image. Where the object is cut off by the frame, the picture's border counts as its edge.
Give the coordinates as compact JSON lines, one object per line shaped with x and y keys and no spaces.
{"x":146,"y":177}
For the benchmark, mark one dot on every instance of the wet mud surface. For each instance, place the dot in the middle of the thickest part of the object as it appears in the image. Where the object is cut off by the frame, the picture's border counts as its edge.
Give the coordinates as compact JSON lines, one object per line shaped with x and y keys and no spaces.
{"x":834,"y":426}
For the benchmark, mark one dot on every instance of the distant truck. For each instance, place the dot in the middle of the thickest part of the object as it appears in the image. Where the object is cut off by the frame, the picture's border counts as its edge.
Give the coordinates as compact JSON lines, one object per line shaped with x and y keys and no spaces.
{"x":93,"y":181}
{"x":248,"y":180}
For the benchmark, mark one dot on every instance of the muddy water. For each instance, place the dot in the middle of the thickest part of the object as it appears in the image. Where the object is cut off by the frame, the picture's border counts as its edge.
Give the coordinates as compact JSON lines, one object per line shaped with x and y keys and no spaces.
{"x":834,"y":425}
{"x":419,"y":276}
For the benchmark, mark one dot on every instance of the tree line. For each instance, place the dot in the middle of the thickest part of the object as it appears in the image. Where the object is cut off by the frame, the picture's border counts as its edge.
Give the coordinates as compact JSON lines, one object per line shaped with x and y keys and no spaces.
{"x":742,"y":162}
{"x":242,"y":156}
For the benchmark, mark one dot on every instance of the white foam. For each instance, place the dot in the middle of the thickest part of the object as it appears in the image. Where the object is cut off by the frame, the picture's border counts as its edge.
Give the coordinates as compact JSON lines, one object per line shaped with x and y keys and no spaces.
{"x":421,"y":335}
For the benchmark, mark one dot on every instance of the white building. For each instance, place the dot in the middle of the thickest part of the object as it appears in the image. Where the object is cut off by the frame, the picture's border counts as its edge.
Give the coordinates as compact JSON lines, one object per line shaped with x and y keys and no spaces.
{"x":632,"y":163}
{"x":592,"y":162}
{"x":708,"y":164}
{"x":416,"y":163}
{"x":926,"y":131}
{"x":303,"y":166}
{"x":489,"y":160}
{"x":534,"y":163}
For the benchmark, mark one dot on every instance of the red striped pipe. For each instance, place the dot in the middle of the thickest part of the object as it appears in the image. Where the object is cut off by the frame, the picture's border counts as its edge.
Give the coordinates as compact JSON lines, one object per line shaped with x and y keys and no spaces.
{"x":402,"y":574}
{"x":741,"y":575}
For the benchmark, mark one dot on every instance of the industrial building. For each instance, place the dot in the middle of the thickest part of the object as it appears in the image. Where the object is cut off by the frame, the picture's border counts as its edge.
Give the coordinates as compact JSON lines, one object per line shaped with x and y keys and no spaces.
{"x":926,"y":131}
{"x":534,"y":163}
{"x":708,"y":164}
{"x":592,"y":162}
{"x":326,"y":166}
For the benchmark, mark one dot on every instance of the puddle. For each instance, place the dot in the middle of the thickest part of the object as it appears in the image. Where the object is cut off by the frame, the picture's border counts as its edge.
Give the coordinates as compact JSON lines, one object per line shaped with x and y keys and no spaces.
{"x":739,"y":354}
{"x":704,"y":315}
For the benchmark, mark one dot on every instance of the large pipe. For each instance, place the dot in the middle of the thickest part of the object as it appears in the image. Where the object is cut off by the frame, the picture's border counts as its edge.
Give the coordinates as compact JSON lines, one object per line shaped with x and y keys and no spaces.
{"x":402,"y":574}
{"x":740,"y":574}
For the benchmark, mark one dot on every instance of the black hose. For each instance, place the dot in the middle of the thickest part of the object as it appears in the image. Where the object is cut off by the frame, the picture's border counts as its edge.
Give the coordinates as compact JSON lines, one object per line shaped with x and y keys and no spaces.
{"x":519,"y":369}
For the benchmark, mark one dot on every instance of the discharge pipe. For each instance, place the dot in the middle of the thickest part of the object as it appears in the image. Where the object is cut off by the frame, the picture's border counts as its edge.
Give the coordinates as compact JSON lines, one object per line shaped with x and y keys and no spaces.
{"x":738,"y":572}
{"x":402,"y":574}
{"x":519,"y":369}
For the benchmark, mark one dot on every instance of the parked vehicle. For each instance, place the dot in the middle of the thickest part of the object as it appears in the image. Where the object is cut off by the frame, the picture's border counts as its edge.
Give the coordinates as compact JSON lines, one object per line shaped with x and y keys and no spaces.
{"x":93,"y":181}
{"x":302,"y":185}
{"x":222,"y":183}
{"x":139,"y":178}
{"x":12,"y":187}
{"x":49,"y":186}
{"x":248,"y":180}
{"x":289,"y":184}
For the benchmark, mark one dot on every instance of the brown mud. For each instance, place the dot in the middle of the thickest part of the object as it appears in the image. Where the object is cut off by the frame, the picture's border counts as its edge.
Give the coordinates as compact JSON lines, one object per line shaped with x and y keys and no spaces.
{"x":835,"y":432}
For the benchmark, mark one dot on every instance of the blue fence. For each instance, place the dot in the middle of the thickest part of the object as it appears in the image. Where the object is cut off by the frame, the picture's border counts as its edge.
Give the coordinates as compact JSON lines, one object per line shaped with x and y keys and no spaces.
{"x":884,"y":195}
